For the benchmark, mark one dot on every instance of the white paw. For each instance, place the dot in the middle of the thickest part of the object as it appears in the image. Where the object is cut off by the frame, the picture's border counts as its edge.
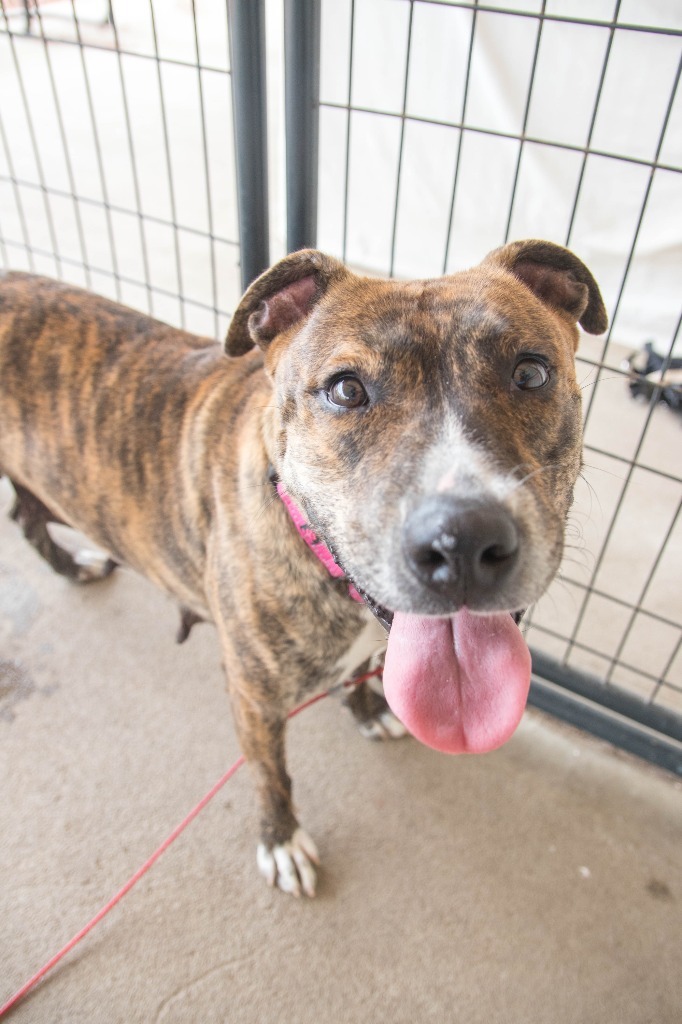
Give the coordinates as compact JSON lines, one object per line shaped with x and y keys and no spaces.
{"x":92,"y":565}
{"x":290,"y":866}
{"x":384,"y":727}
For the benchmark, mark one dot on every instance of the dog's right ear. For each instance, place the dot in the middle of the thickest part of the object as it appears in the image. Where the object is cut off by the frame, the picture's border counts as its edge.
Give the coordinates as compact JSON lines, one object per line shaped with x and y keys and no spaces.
{"x":280,"y":298}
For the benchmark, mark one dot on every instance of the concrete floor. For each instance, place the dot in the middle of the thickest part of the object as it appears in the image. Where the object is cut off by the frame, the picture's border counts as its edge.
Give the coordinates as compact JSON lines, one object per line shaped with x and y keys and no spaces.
{"x":541,"y":883}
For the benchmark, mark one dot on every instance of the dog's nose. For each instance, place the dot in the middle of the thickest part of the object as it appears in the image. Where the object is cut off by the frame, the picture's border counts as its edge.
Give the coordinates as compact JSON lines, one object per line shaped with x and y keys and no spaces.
{"x":463,"y":550}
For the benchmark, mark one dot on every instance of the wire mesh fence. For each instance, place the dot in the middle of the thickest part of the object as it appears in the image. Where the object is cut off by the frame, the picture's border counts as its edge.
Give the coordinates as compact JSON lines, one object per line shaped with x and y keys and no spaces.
{"x":116,"y":153}
{"x":446,"y":128}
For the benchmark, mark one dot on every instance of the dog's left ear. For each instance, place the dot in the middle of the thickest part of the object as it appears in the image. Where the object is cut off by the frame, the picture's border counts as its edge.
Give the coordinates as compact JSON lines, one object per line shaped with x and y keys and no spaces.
{"x":281,"y":298}
{"x":558,"y":278}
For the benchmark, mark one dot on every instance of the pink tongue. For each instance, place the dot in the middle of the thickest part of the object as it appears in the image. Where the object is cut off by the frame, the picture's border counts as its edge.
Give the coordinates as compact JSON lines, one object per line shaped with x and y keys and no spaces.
{"x":458,"y":684}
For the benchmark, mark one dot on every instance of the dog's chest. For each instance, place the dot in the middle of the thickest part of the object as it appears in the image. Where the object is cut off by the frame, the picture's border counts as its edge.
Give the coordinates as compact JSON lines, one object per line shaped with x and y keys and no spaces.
{"x":370,"y":642}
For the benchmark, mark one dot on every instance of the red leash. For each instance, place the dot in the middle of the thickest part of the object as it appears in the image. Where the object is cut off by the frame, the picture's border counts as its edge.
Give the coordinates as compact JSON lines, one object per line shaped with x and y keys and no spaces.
{"x":178,"y":830}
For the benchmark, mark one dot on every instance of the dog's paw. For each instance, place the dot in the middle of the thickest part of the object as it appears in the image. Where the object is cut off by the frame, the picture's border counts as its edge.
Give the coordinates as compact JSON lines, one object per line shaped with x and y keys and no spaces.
{"x":374,"y":718}
{"x":384,"y":727}
{"x":92,"y":565}
{"x":290,"y":866}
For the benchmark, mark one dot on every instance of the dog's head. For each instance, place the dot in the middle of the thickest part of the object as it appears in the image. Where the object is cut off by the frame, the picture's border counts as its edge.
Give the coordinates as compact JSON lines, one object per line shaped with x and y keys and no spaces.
{"x":430,"y":430}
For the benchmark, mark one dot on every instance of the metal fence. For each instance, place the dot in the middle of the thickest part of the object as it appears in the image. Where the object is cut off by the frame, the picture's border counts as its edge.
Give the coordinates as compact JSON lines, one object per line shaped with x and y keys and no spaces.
{"x":116,"y":153}
{"x":133,"y":160}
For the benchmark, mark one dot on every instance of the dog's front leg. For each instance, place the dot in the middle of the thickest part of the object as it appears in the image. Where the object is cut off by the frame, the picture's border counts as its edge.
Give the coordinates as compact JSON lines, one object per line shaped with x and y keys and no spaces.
{"x":286,"y":854}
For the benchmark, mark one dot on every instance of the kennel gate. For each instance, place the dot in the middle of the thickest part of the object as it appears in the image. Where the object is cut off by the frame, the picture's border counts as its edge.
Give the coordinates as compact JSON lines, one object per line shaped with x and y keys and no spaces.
{"x":397,"y":112}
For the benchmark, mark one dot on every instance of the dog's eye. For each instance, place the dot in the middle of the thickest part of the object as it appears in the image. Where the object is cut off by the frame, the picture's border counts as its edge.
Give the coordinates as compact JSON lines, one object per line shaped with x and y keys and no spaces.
{"x":530,"y":374}
{"x":347,"y":393}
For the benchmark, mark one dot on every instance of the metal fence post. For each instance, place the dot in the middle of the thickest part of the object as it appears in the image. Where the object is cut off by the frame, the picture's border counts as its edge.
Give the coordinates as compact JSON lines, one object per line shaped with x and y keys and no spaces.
{"x":247,"y":58}
{"x":302,"y":89}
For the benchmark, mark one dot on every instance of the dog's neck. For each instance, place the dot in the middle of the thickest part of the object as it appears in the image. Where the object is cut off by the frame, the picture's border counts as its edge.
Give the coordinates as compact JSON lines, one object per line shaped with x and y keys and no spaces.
{"x":308,"y":534}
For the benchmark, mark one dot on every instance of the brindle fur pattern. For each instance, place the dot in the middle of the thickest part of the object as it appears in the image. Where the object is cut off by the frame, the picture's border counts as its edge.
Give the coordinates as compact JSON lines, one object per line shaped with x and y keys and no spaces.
{"x":162,"y":450}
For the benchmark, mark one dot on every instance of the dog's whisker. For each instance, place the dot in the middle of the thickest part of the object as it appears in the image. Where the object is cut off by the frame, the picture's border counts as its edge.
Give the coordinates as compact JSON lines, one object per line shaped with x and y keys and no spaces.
{"x":577,"y":555}
{"x":529,"y":476}
{"x":599,"y":380}
{"x":548,"y":600}
{"x":591,"y":370}
{"x":594,"y":496}
{"x":575,"y":542}
{"x":269,"y":501}
{"x":575,"y":535}
{"x":582,"y":557}
{"x":599,"y":469}
{"x":583,"y":562}
{"x":566,"y":591}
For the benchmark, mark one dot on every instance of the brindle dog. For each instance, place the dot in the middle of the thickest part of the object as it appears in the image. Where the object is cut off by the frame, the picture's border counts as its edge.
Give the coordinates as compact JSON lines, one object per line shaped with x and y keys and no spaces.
{"x":430,"y":432}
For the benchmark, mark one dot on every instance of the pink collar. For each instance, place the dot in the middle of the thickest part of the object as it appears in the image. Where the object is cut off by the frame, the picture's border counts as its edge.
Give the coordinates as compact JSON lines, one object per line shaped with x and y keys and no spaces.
{"x":318,"y":547}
